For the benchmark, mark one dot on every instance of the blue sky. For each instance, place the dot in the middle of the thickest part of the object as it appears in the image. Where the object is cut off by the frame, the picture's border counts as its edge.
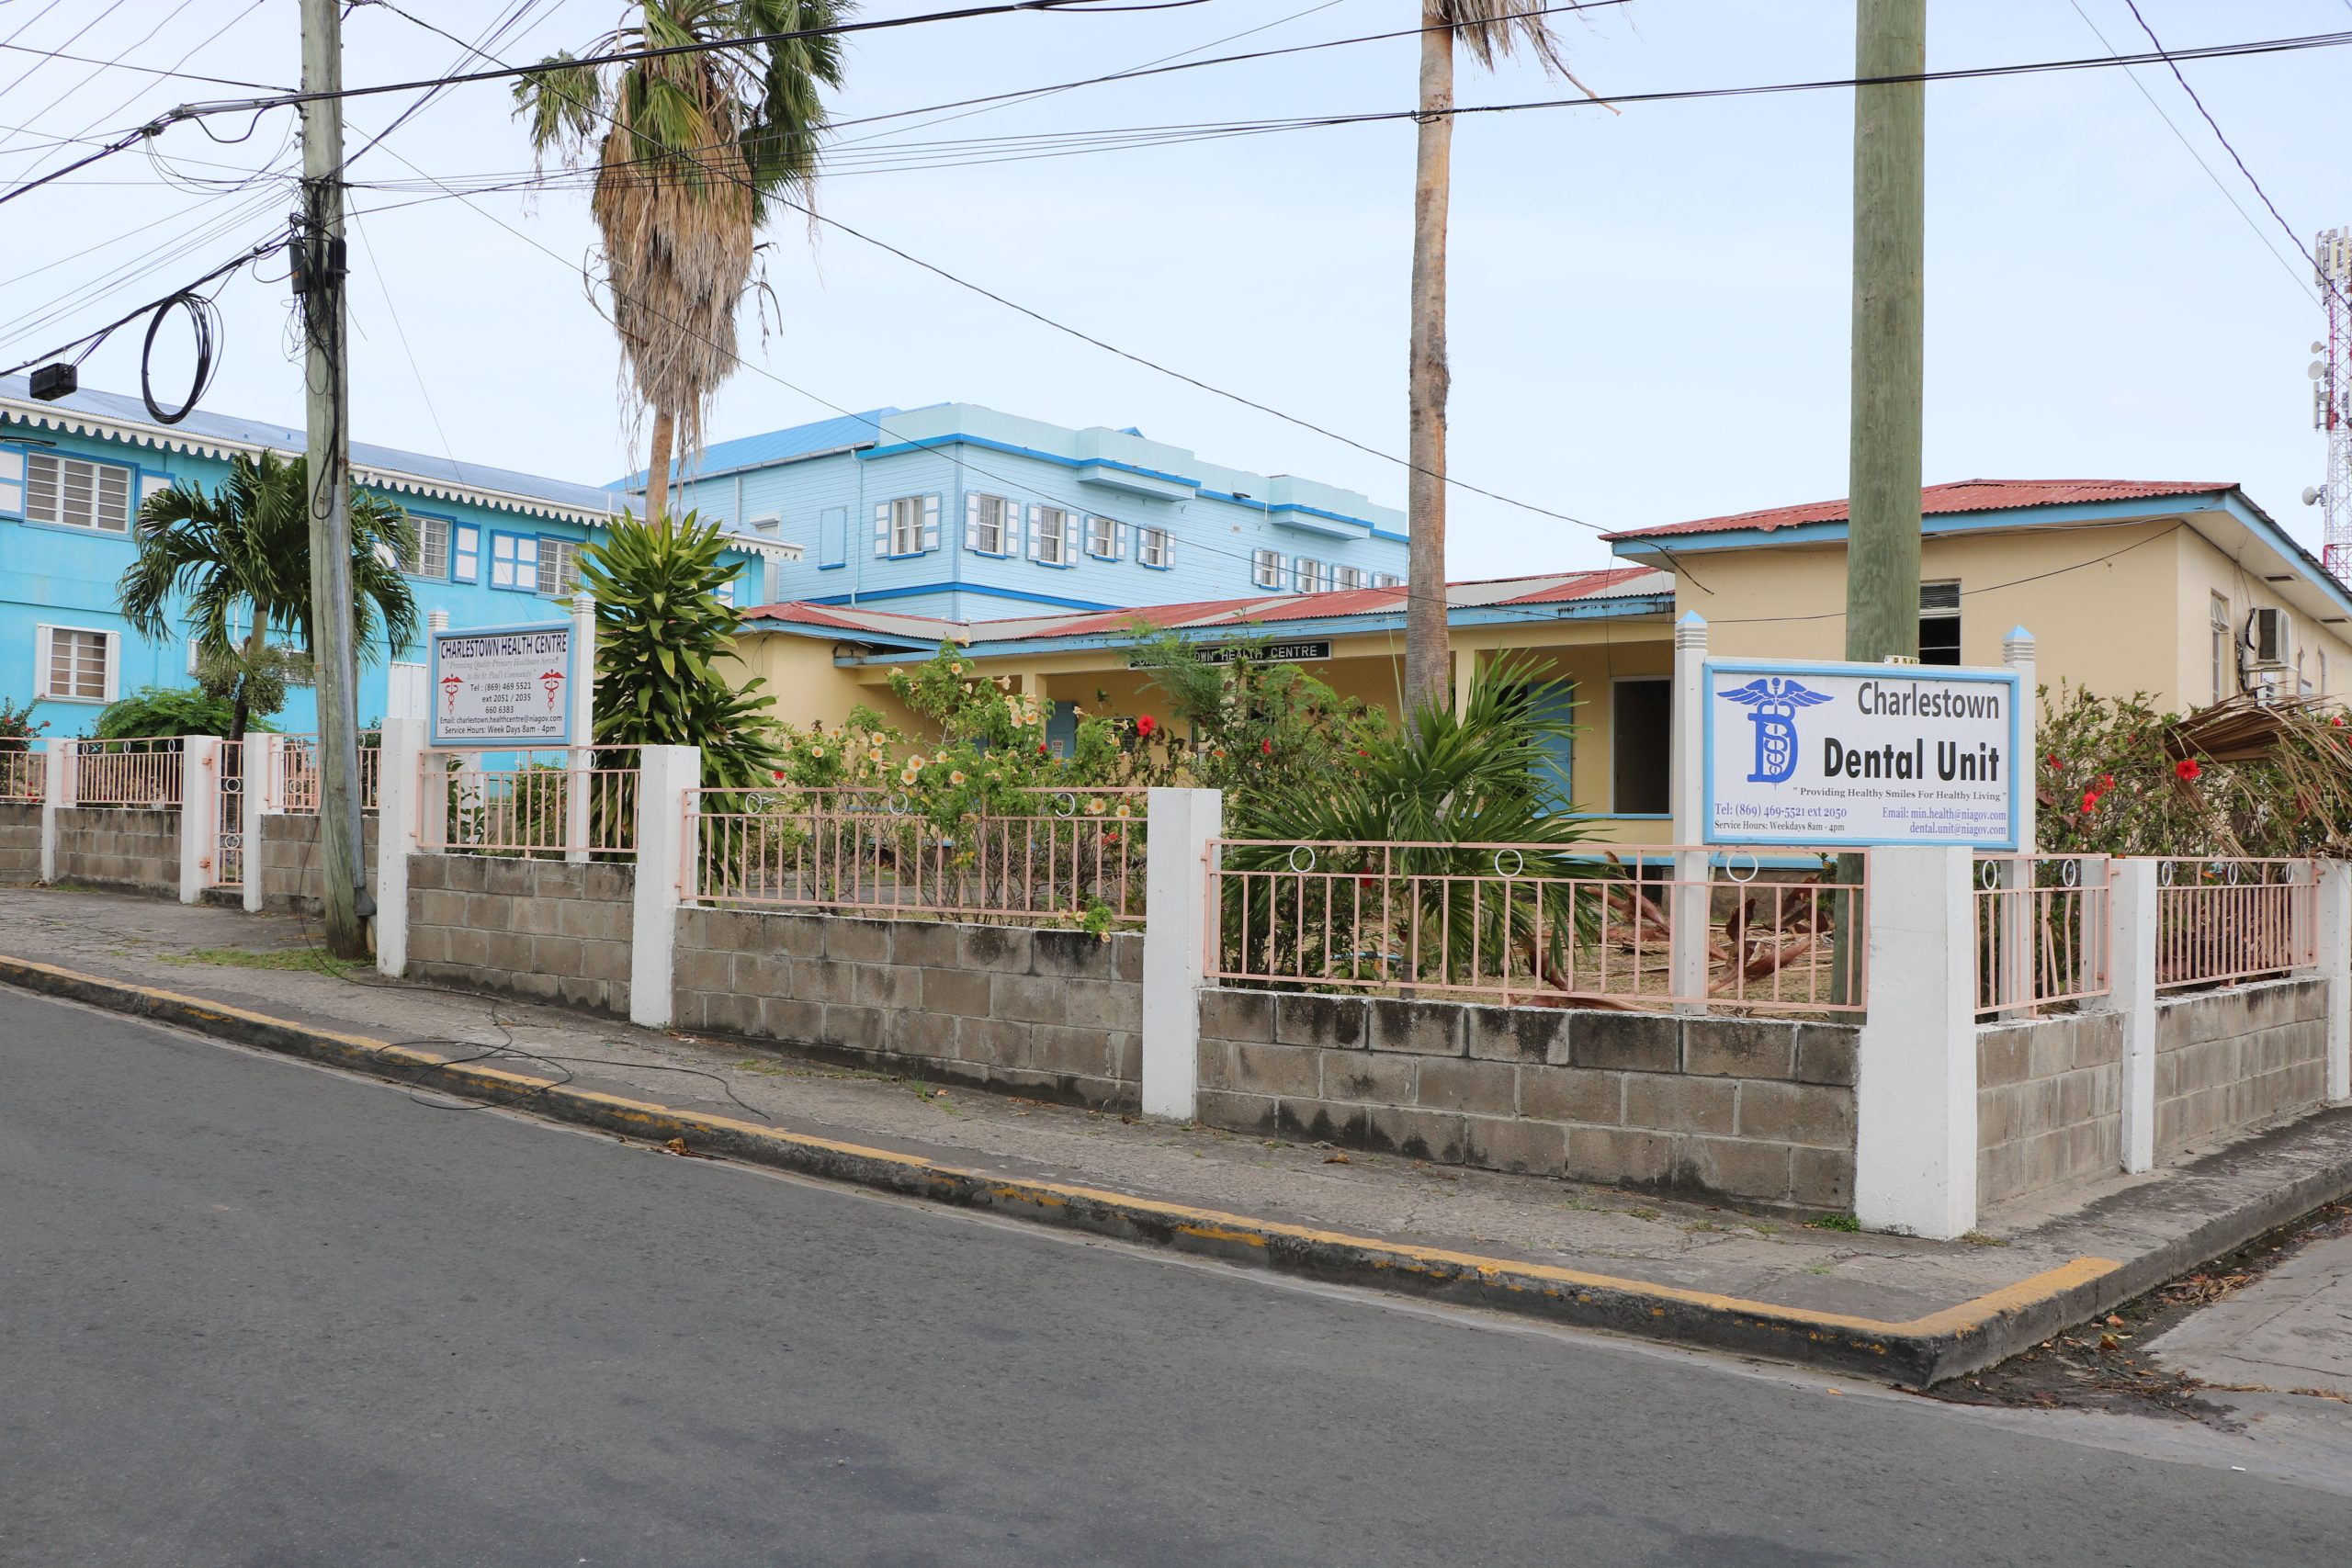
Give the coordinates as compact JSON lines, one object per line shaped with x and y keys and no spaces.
{"x":1649,"y":317}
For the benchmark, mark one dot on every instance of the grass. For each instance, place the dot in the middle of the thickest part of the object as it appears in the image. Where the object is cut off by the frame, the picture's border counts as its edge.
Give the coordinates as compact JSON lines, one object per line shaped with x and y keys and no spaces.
{"x":307,"y":960}
{"x":1834,"y":1223}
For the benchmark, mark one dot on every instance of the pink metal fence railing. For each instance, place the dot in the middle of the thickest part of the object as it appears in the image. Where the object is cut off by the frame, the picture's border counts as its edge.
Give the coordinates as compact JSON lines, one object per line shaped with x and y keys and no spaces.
{"x":2041,"y":925}
{"x":2224,"y":921}
{"x":1532,"y":924}
{"x":1074,"y":854}
{"x":298,"y":776}
{"x":24,"y":774}
{"x":538,"y":802}
{"x":126,"y":772}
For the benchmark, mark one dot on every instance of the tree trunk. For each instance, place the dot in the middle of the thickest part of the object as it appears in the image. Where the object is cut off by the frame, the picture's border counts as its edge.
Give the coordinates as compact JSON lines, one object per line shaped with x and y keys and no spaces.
{"x":1429,"y":675}
{"x":657,"y":474}
{"x":241,"y":711}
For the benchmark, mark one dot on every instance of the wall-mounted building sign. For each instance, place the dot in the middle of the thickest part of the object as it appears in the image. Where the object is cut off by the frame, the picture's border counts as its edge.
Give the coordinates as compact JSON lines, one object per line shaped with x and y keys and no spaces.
{"x":1857,"y":754}
{"x":502,"y":686}
{"x":1268,"y":653}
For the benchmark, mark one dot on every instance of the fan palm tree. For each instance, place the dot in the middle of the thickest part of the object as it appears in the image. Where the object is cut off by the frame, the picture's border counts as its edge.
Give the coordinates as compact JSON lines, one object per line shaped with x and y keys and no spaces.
{"x":1489,"y":28}
{"x":246,"y":546}
{"x":691,"y":151}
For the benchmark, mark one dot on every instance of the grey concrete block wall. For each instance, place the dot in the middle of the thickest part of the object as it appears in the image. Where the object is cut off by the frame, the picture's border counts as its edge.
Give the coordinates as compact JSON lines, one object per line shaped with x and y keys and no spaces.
{"x":550,"y":931}
{"x":2048,"y":1103}
{"x":113,"y":846}
{"x":20,"y":843}
{"x":1052,"y":1012}
{"x":2233,"y":1059}
{"x":1746,"y":1107}
{"x":288,"y":862}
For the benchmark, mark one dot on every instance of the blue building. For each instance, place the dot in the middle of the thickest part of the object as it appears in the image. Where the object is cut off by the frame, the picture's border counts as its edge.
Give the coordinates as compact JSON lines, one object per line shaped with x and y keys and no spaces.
{"x":494,"y":549}
{"x":965,"y":514}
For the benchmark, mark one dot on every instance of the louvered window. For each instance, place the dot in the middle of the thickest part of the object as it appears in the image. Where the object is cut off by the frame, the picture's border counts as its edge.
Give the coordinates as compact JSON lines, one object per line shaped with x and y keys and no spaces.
{"x":74,"y":493}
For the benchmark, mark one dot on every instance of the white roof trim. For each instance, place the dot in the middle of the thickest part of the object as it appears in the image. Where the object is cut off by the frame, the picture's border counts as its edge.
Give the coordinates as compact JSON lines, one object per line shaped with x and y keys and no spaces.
{"x":43,"y":417}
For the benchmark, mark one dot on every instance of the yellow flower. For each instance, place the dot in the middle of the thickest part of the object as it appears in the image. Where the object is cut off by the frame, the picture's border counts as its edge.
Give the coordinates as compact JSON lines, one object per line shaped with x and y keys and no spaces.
{"x":956,"y":669}
{"x":1124,"y":810}
{"x":817,"y":751}
{"x":907,"y":777}
{"x":1094,"y":806}
{"x":914,"y":763}
{"x":955,"y":778}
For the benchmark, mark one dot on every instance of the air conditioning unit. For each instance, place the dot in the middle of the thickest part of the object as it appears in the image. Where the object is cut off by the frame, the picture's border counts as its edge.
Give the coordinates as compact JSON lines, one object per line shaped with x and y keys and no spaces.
{"x":2267,"y":638}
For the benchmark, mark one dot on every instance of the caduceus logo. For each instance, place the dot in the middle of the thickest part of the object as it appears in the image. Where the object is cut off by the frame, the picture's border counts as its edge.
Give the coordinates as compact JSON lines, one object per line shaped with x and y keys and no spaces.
{"x":1772,"y":701}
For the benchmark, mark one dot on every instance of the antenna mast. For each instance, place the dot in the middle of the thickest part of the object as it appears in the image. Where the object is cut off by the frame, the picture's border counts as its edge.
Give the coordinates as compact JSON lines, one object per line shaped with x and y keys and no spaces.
{"x":2332,"y":399}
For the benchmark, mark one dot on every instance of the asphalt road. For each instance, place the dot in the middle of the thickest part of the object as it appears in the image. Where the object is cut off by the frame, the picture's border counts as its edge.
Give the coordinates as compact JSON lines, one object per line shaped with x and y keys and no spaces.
{"x":257,"y":1314}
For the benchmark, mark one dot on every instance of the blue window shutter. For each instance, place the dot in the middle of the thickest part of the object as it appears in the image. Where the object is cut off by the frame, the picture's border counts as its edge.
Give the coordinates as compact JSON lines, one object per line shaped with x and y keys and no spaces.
{"x":931,"y":523}
{"x":882,"y":528}
{"x":832,"y":537}
{"x":1556,"y":772}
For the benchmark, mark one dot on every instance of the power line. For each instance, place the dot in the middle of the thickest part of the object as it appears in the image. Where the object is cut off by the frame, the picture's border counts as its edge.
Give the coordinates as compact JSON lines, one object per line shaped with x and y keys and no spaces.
{"x":147,"y":70}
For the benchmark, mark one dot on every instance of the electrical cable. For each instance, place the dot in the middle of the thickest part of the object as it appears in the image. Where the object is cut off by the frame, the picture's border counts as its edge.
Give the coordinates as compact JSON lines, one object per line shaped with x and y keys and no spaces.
{"x":204,"y":319}
{"x":148,"y":70}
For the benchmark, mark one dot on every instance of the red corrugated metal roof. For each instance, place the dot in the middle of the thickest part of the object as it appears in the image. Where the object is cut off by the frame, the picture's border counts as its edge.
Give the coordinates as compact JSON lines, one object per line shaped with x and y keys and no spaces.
{"x":1583,"y":587}
{"x":1963,"y":495}
{"x":842,"y":619}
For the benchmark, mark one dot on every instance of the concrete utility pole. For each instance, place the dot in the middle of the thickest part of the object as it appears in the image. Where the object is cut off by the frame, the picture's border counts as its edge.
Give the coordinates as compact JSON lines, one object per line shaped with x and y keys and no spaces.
{"x":1890,"y":249}
{"x":325,"y":367}
{"x":1429,"y":658}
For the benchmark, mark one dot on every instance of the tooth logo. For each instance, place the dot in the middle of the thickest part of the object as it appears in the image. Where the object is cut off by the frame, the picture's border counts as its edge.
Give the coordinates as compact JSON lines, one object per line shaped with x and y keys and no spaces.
{"x":1772,"y":701}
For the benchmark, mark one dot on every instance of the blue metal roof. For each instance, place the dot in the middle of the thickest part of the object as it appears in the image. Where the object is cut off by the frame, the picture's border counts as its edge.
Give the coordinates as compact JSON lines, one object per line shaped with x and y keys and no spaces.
{"x":204,"y":425}
{"x":776,"y":446}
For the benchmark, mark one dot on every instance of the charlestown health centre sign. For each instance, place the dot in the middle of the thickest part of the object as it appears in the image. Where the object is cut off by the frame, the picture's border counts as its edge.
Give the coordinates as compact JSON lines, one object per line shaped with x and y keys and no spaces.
{"x":502,"y":686}
{"x":1859,"y":754}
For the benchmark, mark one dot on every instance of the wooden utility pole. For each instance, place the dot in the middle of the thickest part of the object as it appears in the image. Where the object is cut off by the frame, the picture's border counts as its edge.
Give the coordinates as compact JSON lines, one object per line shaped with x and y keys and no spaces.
{"x":1429,"y":658}
{"x":328,"y":396}
{"x":1890,"y":249}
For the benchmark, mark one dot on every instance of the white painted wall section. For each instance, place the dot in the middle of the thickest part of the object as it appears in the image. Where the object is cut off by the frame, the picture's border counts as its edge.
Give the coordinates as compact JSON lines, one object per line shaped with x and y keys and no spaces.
{"x":1177,"y":914}
{"x":1914,"y":1143}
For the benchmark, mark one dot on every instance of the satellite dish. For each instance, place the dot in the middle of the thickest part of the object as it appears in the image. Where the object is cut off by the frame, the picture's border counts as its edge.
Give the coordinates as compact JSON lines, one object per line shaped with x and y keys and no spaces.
{"x":2315,"y":370}
{"x":2311,"y":496}
{"x":2319,"y":348}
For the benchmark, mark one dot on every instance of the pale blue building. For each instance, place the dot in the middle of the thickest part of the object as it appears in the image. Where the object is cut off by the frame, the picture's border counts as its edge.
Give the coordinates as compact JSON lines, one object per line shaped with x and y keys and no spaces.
{"x":966,"y":513}
{"x":495,"y":548}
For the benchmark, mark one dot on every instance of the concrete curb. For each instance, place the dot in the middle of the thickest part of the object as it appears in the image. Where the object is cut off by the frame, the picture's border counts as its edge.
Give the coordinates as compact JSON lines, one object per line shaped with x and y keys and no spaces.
{"x":1919,"y":1351}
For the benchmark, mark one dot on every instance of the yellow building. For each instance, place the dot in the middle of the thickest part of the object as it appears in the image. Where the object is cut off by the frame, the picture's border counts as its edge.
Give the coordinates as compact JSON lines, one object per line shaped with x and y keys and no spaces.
{"x":2186,"y":592}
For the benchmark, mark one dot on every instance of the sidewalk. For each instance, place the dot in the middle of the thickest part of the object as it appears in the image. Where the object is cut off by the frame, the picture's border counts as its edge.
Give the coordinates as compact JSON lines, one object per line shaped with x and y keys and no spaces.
{"x":1912,"y":1311}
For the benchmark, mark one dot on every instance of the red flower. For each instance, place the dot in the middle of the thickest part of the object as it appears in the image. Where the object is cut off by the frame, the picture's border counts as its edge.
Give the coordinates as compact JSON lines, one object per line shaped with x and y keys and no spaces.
{"x":1145,"y":725}
{"x":2105,"y":783}
{"x":1041,"y":747}
{"x":776,"y":773}
{"x":2090,"y":801}
{"x":2186,"y":769}
{"x":2337,"y":721}
{"x":1267,"y":747}
{"x":2052,"y":759}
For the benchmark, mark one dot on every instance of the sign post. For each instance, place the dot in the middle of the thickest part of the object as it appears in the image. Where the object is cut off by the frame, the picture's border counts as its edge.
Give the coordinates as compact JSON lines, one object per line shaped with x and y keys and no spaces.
{"x":503,"y":688}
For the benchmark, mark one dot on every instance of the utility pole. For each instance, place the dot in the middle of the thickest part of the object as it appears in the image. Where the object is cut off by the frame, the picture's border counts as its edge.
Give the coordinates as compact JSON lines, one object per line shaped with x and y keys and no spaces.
{"x":319,"y":281}
{"x":1890,"y":250}
{"x":1429,"y":656}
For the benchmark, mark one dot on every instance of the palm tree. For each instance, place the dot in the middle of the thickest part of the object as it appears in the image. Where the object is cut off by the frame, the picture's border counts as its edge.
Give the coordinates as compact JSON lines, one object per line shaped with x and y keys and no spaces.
{"x":246,"y":545}
{"x":1489,"y":28}
{"x":690,"y":150}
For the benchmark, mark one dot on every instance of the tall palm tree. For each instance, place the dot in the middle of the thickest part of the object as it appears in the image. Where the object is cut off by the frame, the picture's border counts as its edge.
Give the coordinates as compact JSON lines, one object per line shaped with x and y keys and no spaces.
{"x":246,"y":546}
{"x":1489,"y":28}
{"x":691,"y":151}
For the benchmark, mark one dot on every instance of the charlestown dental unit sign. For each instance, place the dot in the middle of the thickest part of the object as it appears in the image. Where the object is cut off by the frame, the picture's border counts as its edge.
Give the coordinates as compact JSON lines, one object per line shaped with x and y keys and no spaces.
{"x":1857,"y":754}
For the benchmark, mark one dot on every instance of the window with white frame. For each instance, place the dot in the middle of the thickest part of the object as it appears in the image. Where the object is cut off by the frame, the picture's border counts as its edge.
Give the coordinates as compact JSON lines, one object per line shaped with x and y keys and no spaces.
{"x":1266,"y":567}
{"x":1102,"y":537}
{"x":1386,"y":579}
{"x":73,"y":492}
{"x":1153,"y":548}
{"x":988,"y":519}
{"x":1312,"y":576}
{"x":1051,"y":530}
{"x":514,"y":562}
{"x":906,"y":525}
{"x":1346,"y":577}
{"x":76,"y":666}
{"x":428,"y":548}
{"x":559,"y":566}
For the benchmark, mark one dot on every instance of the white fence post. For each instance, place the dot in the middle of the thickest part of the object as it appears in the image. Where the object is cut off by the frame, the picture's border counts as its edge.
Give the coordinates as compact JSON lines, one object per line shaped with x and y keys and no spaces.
{"x":2132,"y":991}
{"x":1915,"y":1139}
{"x":1178,"y":858}
{"x":56,"y":793}
{"x":2332,"y":930}
{"x":581,"y":697}
{"x":2014,"y":980}
{"x":263,"y":762}
{"x":399,"y":778}
{"x":199,"y":812}
{"x":664,"y":774}
{"x":1690,"y":898}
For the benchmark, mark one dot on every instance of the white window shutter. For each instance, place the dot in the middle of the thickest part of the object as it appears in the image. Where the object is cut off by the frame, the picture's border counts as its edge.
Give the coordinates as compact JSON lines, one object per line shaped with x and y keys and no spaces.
{"x":112,"y":643}
{"x":882,"y":528}
{"x":1167,"y":548}
{"x":971,"y":520}
{"x":931,"y":523}
{"x":1036,"y":528}
{"x":151,"y":484}
{"x":1122,"y":540}
{"x":42,"y":637}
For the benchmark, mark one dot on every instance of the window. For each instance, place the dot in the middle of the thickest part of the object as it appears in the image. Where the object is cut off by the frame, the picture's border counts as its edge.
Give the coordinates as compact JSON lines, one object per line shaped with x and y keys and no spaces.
{"x":987,"y":521}
{"x":1102,"y":537}
{"x":1386,"y":579}
{"x":1154,"y":548}
{"x":1641,"y":726}
{"x":465,"y":552}
{"x":74,"y":494}
{"x":1266,"y":567}
{"x":559,"y":566}
{"x":1939,"y":623}
{"x":76,"y":666}
{"x":1348,"y":576}
{"x":428,"y":553}
{"x":1049,"y":536}
{"x":1313,"y":576}
{"x":2216,"y":624}
{"x":907,"y":526}
{"x":514,"y":563}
